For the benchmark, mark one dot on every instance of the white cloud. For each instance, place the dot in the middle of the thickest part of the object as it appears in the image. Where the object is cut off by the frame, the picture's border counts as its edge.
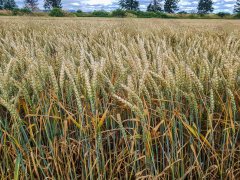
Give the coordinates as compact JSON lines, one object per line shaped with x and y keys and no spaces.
{"x":228,"y":5}
{"x":185,"y":3}
{"x":103,"y":2}
{"x":75,"y":4}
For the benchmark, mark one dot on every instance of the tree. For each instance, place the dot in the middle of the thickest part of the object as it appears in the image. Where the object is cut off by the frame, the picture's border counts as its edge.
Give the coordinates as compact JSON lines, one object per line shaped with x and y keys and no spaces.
{"x":118,"y":13}
{"x":183,"y":12}
{"x":49,"y":4}
{"x":237,"y":7}
{"x":223,"y":14}
{"x":129,"y":4}
{"x":205,"y":6}
{"x":155,"y":6}
{"x":9,"y":4}
{"x":57,"y":12}
{"x":1,"y":4}
{"x":31,"y":4}
{"x":170,"y":6}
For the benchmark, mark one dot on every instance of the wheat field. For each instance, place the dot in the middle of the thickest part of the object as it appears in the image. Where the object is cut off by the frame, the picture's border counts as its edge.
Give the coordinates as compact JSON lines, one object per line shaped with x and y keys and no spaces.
{"x":119,"y":98}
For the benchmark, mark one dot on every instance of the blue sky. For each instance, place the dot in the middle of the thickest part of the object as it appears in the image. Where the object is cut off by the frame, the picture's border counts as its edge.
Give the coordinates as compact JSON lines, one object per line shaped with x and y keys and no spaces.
{"x":89,"y":5}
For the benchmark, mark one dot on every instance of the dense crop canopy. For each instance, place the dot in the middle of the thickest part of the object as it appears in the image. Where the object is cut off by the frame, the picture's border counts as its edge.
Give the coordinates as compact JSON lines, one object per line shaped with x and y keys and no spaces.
{"x":88,"y":98}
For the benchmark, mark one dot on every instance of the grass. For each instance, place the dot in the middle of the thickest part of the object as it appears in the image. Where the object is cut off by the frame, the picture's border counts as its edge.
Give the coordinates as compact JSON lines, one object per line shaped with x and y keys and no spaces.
{"x":119,"y":98}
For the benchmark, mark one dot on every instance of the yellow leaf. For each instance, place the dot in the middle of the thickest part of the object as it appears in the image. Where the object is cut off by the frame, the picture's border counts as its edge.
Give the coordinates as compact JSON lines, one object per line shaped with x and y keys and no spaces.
{"x":103,"y":118}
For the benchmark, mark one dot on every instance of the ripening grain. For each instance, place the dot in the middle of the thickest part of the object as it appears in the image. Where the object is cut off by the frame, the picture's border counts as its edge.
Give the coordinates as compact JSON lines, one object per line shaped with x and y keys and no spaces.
{"x":119,"y":99}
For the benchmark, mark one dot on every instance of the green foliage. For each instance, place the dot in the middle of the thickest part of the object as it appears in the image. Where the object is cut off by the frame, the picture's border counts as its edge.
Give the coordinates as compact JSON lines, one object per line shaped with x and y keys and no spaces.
{"x":205,"y":6}
{"x":130,"y":15}
{"x":129,"y":4}
{"x":100,"y":13}
{"x":1,"y":4}
{"x":57,"y":12}
{"x":21,"y":12}
{"x":15,"y":11}
{"x":139,"y":14}
{"x":223,"y":14}
{"x":118,"y":13}
{"x":237,"y":7}
{"x":9,"y":4}
{"x":143,"y":14}
{"x":182,"y":12}
{"x":171,"y":6}
{"x":26,"y":10}
{"x":237,"y":16}
{"x":79,"y":11}
{"x":155,"y":6}
{"x":84,"y":14}
{"x":17,"y":167}
{"x":193,"y":16}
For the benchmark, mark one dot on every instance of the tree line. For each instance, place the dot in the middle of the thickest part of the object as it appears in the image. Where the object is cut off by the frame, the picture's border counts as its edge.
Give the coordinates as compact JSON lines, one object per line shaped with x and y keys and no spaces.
{"x":171,"y":6}
{"x":168,"y":6}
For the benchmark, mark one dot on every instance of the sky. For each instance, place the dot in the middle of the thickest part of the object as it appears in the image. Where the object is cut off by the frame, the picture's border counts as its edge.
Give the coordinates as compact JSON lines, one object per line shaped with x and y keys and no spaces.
{"x":108,"y":5}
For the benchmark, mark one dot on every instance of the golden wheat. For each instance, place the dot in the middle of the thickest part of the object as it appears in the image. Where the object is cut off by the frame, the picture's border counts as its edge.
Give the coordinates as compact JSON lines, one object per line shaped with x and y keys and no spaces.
{"x":119,"y":99}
